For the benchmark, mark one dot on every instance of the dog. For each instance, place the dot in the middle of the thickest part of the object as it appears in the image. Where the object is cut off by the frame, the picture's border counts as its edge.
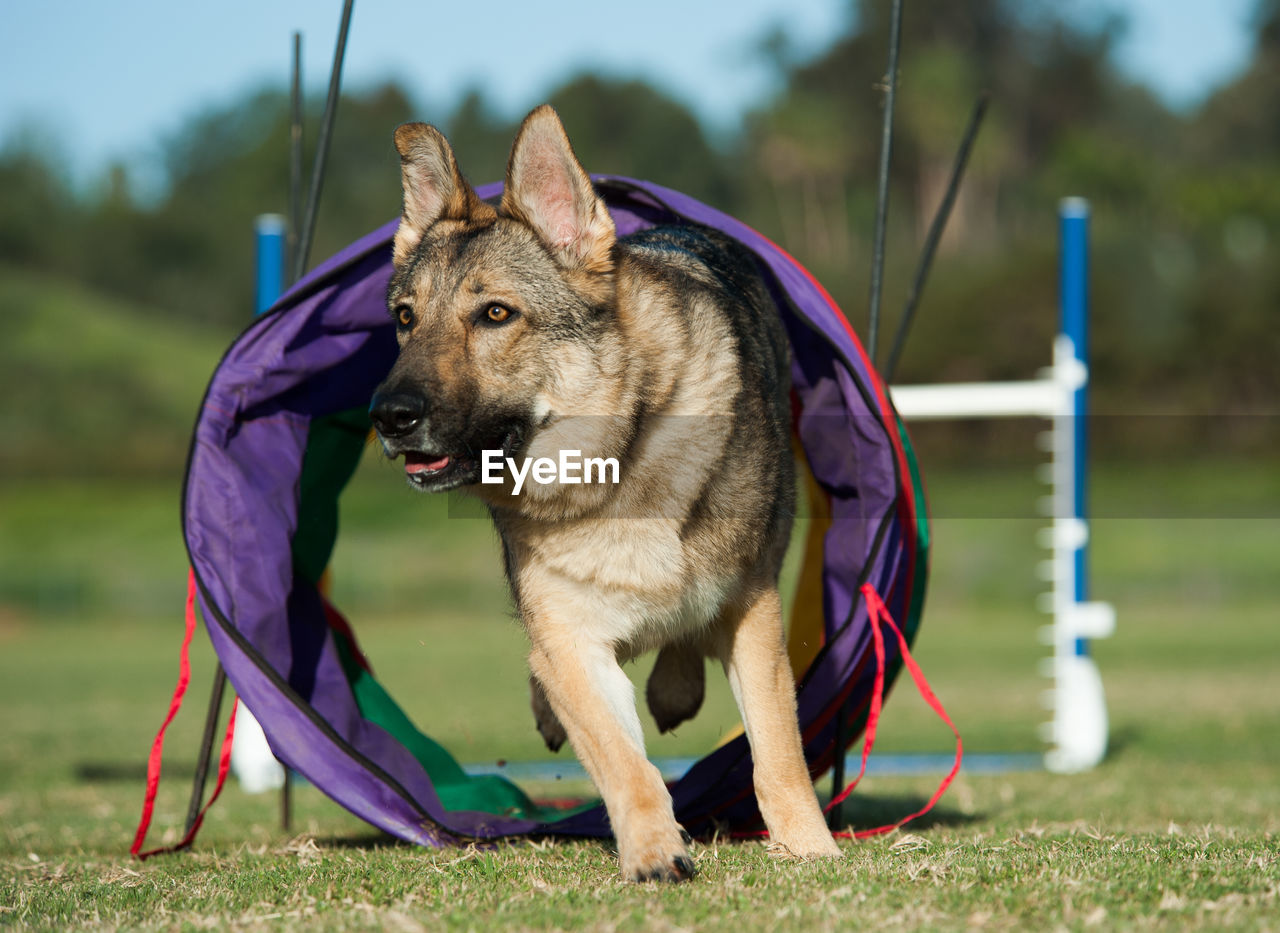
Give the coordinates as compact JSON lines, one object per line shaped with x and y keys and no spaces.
{"x":527,"y":329}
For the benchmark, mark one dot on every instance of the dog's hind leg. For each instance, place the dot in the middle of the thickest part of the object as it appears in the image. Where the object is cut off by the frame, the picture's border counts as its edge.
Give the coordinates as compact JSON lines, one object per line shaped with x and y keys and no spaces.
{"x":548,"y":725}
{"x":754,"y":658}
{"x":676,"y":685}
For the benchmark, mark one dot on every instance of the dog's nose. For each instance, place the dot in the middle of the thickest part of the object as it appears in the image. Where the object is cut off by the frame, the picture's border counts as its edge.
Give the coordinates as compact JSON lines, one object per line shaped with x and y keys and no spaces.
{"x":396,"y":414}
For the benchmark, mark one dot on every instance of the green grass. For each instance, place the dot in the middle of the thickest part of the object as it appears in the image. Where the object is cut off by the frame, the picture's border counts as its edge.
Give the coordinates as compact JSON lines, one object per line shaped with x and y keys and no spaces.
{"x":1178,"y":829}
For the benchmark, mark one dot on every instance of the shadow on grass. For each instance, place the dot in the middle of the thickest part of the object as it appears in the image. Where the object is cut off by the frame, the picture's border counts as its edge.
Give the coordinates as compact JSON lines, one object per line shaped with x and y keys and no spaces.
{"x":1122,"y":740}
{"x":871,"y":813}
{"x":857,"y":814}
{"x":366,"y":841}
{"x":376,"y":839}
{"x":105,"y":772}
{"x":862,"y":815}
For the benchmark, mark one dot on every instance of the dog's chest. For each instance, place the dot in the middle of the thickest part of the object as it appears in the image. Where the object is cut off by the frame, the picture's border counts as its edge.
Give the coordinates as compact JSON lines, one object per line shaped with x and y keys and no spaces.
{"x":630,"y":583}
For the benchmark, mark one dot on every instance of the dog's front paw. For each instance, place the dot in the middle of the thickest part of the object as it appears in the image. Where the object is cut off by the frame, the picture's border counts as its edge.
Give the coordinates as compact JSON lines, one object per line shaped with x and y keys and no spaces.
{"x":663,"y":856}
{"x":662,"y":868}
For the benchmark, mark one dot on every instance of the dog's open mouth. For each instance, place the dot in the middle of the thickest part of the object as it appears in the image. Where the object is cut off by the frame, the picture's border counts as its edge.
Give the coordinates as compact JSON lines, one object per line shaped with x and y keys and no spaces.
{"x":416,"y":463}
{"x":428,"y":469}
{"x":432,"y":469}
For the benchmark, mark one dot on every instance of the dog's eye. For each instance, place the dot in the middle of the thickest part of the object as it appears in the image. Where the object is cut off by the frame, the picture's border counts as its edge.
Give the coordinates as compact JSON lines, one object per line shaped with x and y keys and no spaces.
{"x":404,"y":316}
{"x":497,"y":314}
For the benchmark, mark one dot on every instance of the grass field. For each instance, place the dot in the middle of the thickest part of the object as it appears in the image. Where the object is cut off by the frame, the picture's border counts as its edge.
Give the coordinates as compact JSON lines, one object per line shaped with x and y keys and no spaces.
{"x":1179,"y":828}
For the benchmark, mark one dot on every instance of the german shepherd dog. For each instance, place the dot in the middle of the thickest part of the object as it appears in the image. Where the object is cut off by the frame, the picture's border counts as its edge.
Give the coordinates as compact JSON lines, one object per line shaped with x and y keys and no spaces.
{"x":530,"y":328}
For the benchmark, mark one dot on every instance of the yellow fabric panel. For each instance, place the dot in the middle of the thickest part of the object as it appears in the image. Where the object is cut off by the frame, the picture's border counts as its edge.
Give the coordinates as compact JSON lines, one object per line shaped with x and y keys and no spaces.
{"x":806,"y":635}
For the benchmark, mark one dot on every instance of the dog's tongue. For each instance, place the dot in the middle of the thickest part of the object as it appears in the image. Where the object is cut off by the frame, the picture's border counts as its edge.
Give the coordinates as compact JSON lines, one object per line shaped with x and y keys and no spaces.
{"x":421,"y":463}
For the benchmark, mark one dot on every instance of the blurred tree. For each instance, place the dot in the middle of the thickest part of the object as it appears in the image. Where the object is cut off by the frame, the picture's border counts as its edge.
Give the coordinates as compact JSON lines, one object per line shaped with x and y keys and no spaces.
{"x":480,"y":138}
{"x":192,"y":253}
{"x":38,"y":210}
{"x":628,"y":127}
{"x":1242,"y":120}
{"x":1187,"y":207}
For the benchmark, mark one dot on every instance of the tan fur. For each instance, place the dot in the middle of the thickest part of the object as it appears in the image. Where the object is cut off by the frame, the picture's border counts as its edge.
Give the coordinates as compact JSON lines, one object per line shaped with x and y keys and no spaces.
{"x":683,"y":555}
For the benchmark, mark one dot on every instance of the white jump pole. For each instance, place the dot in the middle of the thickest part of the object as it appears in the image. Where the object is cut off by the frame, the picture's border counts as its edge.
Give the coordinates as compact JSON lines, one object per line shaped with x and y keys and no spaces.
{"x":1078,"y":732}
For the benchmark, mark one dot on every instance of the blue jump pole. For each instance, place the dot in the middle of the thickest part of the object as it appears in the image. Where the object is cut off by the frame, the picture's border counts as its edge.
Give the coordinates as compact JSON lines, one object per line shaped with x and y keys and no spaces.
{"x":269,"y":250}
{"x":1073,"y":226}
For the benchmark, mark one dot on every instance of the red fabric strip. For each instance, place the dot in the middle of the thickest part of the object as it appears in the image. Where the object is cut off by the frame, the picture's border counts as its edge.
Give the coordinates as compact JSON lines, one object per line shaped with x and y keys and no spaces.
{"x":154,"y":761}
{"x":878,"y":613}
{"x":338,"y":622}
{"x":877,"y":699}
{"x":224,"y":765}
{"x":157,"y":747}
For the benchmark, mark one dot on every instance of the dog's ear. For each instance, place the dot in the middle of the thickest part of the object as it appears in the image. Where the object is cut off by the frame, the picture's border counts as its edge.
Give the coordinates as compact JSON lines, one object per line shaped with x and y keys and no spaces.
{"x":434,"y":189}
{"x":548,"y":189}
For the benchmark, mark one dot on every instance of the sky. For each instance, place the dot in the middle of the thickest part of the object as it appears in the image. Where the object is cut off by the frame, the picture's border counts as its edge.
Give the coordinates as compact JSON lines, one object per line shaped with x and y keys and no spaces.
{"x":101,"y":81}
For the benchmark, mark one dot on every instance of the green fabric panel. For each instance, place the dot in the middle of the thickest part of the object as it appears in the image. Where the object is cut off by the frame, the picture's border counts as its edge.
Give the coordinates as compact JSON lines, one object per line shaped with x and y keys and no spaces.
{"x":334,"y":445}
{"x":923,"y":541}
{"x":489,"y":793}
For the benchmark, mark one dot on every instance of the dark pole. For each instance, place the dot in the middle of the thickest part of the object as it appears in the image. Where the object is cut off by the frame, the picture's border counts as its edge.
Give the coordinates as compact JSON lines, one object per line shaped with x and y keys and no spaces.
{"x":836,"y":816}
{"x":291,"y":276}
{"x":322,"y":145}
{"x":304,"y":228}
{"x":882,"y":194}
{"x":206,"y":747}
{"x":295,"y":161}
{"x":936,"y":228}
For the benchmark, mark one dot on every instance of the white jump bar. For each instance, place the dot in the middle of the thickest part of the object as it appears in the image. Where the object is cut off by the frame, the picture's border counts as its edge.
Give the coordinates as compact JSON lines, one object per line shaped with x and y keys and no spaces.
{"x":1042,"y":398}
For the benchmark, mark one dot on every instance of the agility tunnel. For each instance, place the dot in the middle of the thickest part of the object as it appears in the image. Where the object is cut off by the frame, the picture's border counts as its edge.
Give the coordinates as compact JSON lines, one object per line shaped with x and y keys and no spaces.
{"x":281,"y":429}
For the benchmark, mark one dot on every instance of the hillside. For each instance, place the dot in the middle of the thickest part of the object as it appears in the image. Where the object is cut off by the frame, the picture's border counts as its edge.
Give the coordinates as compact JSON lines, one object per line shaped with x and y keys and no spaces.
{"x":94,"y":386}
